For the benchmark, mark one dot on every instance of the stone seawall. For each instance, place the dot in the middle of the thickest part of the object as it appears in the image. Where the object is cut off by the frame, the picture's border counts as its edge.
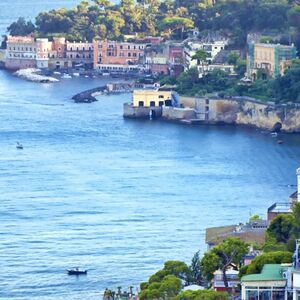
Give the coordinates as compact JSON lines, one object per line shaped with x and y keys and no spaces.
{"x":130,"y":111}
{"x":266,"y":116}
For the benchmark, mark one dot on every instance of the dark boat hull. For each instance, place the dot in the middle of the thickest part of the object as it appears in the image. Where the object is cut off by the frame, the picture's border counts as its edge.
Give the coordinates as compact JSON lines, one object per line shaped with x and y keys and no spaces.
{"x":76,"y":272}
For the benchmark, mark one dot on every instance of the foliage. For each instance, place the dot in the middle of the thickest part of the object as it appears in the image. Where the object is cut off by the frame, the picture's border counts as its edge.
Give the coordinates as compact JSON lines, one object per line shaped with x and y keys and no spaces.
{"x":200,"y":55}
{"x":21,"y":27}
{"x":102,"y":18}
{"x":255,"y":218}
{"x":202,"y":295}
{"x":259,"y":261}
{"x":227,"y":253}
{"x":195,"y":267}
{"x":169,"y":286}
{"x":281,"y":228}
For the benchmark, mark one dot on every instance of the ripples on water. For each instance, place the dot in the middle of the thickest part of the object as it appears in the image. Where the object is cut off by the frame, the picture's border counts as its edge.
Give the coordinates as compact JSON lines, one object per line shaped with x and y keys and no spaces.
{"x":118,"y":197}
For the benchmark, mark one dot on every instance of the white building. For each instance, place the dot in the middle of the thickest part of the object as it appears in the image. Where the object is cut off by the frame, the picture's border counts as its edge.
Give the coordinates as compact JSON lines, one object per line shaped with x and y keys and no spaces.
{"x":211,"y":48}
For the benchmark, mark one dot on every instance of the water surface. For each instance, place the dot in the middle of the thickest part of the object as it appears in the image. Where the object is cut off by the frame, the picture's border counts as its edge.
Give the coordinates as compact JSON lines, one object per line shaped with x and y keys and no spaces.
{"x":118,"y":197}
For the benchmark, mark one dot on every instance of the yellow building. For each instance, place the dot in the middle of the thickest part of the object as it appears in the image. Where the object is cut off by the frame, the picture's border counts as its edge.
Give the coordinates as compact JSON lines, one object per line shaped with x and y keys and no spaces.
{"x":152,"y":98}
{"x":271,"y":59}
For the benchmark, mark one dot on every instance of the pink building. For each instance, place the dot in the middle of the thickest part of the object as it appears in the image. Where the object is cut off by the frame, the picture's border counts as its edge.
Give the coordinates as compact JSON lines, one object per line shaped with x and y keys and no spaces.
{"x":121,"y":55}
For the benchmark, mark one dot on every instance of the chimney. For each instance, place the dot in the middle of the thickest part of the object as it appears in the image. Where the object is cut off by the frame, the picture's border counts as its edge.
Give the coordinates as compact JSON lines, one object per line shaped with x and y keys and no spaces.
{"x":298,"y":184}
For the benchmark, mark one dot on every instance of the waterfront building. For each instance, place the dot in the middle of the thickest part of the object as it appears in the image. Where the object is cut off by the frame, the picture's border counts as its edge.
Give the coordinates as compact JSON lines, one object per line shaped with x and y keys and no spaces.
{"x":120,"y":56}
{"x":21,"y":52}
{"x":269,"y":59}
{"x":80,"y":54}
{"x":150,"y":103}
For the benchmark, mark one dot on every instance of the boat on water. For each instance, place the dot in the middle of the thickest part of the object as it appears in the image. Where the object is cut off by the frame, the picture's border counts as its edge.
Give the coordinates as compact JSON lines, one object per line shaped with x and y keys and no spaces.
{"x":279,"y":142}
{"x":76,"y":271}
{"x":66,"y":76}
{"x":19,"y":146}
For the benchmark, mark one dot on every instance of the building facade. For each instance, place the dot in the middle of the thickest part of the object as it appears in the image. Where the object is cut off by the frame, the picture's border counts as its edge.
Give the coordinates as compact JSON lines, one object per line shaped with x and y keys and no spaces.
{"x":270,"y":59}
{"x":21,"y":52}
{"x":118,"y":54}
{"x":211,"y":48}
{"x":152,"y":98}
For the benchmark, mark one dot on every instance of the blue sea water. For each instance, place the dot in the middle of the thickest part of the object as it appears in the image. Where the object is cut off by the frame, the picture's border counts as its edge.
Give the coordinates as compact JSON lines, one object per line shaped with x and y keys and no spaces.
{"x":118,"y":197}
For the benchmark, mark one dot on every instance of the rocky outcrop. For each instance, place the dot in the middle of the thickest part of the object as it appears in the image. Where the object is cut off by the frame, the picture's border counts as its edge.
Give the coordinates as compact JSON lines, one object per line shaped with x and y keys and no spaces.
{"x":249,"y":112}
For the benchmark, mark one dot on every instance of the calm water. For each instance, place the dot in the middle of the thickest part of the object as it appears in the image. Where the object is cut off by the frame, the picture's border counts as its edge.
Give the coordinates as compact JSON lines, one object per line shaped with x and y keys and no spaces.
{"x":114,"y":196}
{"x":118,"y":197}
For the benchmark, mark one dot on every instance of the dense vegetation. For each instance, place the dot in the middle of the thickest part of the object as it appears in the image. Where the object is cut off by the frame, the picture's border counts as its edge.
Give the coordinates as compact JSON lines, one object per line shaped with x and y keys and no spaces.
{"x":233,"y":18}
{"x":275,"y":20}
{"x":280,"y":90}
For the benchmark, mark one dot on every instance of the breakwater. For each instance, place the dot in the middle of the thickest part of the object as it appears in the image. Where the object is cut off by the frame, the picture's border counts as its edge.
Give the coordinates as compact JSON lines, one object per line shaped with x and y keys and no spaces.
{"x":90,"y":95}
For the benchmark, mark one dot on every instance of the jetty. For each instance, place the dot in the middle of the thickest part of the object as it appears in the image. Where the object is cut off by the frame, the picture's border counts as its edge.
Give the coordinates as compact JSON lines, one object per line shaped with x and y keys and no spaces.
{"x":89,"y":96}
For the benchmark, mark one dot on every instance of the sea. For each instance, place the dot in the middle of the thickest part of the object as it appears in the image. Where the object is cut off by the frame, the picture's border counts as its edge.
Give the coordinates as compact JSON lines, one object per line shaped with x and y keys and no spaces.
{"x":114,"y":196}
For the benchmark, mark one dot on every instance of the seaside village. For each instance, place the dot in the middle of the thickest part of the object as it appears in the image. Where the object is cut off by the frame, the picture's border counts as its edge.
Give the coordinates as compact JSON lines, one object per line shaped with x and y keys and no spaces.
{"x":150,"y":58}
{"x":275,"y":281}
{"x":156,"y":56}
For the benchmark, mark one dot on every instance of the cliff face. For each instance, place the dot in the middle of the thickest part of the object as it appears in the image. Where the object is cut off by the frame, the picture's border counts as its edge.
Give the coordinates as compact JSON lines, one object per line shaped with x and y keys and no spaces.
{"x":250,"y":113}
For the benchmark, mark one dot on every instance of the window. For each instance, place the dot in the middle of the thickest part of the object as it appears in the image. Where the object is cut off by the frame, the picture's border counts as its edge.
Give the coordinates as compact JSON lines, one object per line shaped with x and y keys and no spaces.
{"x":161,"y":103}
{"x":134,"y":54}
{"x":121,"y":47}
{"x":152,"y":103}
{"x":129,"y":54}
{"x":141,"y":103}
{"x":161,"y":96}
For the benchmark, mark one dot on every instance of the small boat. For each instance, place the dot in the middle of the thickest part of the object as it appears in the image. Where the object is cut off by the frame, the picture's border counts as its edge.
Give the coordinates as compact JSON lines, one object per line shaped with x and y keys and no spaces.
{"x":274,"y":134}
{"x":66,"y":76}
{"x":76,"y":271}
{"x":19,"y":146}
{"x":76,"y":74}
{"x":280,"y":142}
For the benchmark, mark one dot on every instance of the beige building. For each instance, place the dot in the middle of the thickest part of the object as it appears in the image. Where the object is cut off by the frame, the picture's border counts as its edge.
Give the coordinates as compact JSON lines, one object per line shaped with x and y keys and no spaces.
{"x":270,"y":59}
{"x":152,"y":98}
{"x":81,"y":53}
{"x":20,"y":53}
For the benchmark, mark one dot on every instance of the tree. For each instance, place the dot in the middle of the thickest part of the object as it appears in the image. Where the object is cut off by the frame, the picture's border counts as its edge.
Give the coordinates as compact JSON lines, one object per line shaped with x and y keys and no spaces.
{"x":21,"y":27}
{"x":202,"y":295}
{"x":103,"y":4}
{"x":281,"y":228}
{"x":229,"y":252}
{"x":277,"y":257}
{"x":169,"y":286}
{"x":233,"y":58}
{"x":195,"y":267}
{"x":170,"y":24}
{"x":201,"y":56}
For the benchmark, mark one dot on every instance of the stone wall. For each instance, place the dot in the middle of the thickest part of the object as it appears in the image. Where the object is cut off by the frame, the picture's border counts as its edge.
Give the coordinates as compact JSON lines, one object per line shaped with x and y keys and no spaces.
{"x":130,"y":111}
{"x":246,"y":112}
{"x":177,"y":114}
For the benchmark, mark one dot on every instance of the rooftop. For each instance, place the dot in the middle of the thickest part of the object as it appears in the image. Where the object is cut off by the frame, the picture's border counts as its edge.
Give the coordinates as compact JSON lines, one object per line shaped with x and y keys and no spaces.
{"x":280,"y":207}
{"x":247,"y":233}
{"x":270,"y":272}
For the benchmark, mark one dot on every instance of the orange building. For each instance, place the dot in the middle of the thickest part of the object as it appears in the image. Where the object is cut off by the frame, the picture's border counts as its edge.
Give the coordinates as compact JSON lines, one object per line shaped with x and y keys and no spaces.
{"x":121,"y":55}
